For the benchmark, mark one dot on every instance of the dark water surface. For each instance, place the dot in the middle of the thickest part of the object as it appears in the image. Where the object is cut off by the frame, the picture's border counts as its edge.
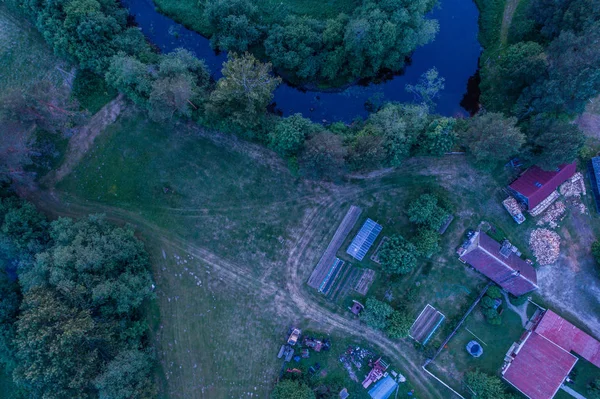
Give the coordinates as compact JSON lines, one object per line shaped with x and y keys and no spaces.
{"x":454,"y":52}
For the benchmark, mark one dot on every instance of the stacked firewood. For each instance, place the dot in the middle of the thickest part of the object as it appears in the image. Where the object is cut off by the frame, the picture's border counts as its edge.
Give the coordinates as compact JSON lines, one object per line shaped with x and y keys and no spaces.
{"x":554,"y":214}
{"x":545,"y":245}
{"x":574,"y":187}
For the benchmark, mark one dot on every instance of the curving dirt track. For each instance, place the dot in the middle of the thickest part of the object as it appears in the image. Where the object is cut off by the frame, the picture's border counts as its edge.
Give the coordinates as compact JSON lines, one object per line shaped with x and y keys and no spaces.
{"x":306,"y":244}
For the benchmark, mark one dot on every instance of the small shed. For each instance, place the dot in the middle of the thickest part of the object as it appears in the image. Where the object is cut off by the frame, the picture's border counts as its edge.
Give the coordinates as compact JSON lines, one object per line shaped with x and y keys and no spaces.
{"x":344,"y":393}
{"x":357,"y":307}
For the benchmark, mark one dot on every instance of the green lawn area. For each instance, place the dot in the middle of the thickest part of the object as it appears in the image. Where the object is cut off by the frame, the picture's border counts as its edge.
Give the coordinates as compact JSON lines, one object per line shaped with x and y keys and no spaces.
{"x":583,"y":373}
{"x":221,"y":199}
{"x":190,"y":12}
{"x":25,"y":58}
{"x":454,"y":361}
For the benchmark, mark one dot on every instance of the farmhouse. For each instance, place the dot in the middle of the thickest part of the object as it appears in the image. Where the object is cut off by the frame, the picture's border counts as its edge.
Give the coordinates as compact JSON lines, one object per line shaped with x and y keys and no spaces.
{"x":539,"y":364}
{"x":536,"y":188}
{"x":499,"y":263}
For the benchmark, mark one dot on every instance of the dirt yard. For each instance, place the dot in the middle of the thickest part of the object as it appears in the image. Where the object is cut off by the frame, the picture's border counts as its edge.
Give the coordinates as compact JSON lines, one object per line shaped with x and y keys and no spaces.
{"x":572,"y":284}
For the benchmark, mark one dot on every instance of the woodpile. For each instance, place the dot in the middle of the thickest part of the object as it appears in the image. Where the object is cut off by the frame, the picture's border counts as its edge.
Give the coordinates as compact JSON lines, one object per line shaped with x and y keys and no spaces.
{"x":554,"y":214}
{"x":574,"y":187}
{"x":545,"y":245}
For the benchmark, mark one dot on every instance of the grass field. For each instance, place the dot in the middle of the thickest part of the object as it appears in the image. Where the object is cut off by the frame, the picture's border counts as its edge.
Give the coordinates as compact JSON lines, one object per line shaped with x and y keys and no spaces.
{"x":223,"y":313}
{"x":234,"y":236}
{"x":190,"y":12}
{"x":24,"y":56}
{"x":454,"y":361}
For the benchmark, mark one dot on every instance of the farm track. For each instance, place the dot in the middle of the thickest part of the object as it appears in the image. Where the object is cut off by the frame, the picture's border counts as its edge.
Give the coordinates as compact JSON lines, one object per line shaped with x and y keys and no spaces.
{"x":300,"y":261}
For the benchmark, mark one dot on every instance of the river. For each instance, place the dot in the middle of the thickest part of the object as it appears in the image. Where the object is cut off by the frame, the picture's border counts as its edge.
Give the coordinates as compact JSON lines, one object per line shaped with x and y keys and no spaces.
{"x":454,"y":52}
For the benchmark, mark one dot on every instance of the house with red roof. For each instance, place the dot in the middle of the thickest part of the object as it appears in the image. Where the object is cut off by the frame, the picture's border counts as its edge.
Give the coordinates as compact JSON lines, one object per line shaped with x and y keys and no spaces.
{"x":536,"y":188}
{"x":540,"y":363}
{"x":499,"y":263}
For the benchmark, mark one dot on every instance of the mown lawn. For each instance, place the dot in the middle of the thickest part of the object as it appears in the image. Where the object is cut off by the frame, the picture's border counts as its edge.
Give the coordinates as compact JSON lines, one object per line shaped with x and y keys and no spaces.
{"x":455,"y":361}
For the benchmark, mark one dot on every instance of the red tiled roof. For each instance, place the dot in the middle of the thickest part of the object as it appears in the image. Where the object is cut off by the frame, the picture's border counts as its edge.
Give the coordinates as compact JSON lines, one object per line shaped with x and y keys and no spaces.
{"x":569,"y":337}
{"x":549,"y":181}
{"x":484,"y":255}
{"x":539,"y":368}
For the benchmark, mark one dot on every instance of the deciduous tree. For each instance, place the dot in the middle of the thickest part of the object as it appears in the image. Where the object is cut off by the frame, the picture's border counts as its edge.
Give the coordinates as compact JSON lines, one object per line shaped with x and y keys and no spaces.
{"x":492,"y":138}
{"x":244,"y":91}
{"x":289,"y":389}
{"x":397,"y":255}
{"x":323,"y":156}
{"x":398,"y":325}
{"x":376,"y":314}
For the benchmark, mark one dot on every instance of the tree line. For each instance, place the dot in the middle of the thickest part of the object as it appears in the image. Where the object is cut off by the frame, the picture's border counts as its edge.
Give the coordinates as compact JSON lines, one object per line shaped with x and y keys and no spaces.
{"x":378,"y":35}
{"x":97,"y":36}
{"x":544,"y":75}
{"x":71,"y":306}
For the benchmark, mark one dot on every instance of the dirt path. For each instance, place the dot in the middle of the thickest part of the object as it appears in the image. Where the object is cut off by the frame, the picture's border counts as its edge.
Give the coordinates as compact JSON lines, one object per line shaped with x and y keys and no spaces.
{"x":299,"y":259}
{"x":82,"y":141}
{"x":509,"y":12}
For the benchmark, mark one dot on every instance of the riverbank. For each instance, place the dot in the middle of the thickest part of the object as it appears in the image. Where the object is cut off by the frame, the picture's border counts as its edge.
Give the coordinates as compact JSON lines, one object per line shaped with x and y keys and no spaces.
{"x":455,"y":54}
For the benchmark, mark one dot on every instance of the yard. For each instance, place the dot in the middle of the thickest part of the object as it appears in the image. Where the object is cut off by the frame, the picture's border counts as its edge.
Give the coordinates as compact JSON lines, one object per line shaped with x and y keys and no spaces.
{"x":455,"y":361}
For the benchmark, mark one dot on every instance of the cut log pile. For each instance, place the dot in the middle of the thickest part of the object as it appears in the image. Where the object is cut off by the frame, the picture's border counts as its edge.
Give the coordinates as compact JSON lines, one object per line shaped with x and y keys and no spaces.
{"x":545,"y":245}
{"x":554,"y":214}
{"x":574,"y":187}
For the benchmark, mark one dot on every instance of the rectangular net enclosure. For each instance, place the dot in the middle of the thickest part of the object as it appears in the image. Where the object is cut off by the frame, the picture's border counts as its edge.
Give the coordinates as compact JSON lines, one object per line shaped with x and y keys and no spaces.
{"x":364,"y":239}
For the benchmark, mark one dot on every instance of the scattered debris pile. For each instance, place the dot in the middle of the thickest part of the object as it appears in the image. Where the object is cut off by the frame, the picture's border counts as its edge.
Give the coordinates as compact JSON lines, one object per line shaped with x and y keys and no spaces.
{"x":355,"y":357}
{"x":554,"y":214}
{"x":545,"y":245}
{"x":574,"y":187}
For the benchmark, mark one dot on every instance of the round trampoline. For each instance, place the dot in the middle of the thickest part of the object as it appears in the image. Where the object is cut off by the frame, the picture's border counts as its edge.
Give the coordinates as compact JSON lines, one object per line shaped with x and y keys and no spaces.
{"x":474,"y":349}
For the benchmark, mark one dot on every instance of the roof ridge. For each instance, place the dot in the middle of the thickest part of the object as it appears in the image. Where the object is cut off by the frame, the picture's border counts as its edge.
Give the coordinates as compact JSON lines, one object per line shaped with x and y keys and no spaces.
{"x":506,"y":264}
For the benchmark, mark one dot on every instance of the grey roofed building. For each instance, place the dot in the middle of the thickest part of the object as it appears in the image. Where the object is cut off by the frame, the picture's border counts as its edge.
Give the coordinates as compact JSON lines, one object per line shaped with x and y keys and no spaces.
{"x":364,"y":239}
{"x":594,"y":173}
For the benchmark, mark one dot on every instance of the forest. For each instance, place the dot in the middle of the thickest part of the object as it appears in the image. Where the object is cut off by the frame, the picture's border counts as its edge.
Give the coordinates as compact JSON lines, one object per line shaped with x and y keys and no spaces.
{"x":71,"y":317}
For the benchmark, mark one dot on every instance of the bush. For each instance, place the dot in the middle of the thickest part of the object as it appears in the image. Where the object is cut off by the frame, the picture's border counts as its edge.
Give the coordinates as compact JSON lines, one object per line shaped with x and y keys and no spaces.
{"x":91,"y":90}
{"x":494,"y":292}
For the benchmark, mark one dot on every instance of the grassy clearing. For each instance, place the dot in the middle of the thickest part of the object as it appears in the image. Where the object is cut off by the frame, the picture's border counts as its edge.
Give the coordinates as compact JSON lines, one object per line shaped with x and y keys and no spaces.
{"x":455,"y":361}
{"x":221,"y":200}
{"x":190,"y":12}
{"x":24,"y":56}
{"x":219,"y":328}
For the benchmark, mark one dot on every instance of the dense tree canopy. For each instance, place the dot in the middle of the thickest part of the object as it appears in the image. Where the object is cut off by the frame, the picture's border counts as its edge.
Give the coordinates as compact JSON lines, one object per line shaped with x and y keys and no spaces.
{"x":492,"y":138}
{"x":427,"y":211}
{"x":235,"y":23}
{"x":552,"y":142}
{"x":376,"y":314}
{"x":245,"y":90}
{"x":486,"y":386}
{"x":71,"y":323}
{"x":397,"y":255}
